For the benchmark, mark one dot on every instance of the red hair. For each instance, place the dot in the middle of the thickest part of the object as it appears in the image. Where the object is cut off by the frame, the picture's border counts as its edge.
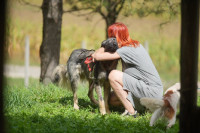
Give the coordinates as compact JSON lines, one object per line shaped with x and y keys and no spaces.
{"x":120,"y":32}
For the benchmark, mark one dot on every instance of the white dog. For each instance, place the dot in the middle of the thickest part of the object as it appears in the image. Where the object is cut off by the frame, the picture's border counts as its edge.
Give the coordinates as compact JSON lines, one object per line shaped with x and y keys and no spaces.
{"x":166,"y":107}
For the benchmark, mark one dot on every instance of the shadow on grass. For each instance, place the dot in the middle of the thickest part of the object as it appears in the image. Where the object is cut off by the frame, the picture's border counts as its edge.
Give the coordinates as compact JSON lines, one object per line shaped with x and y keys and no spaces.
{"x":87,"y":104}
{"x":82,"y":102}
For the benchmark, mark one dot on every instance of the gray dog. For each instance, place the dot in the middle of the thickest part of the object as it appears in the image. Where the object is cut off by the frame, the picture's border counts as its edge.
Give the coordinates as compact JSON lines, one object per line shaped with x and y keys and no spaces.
{"x":96,"y":73}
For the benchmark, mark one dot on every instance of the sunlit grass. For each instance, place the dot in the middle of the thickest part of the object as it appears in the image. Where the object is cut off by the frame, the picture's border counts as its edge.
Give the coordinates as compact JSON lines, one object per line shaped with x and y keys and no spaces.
{"x":46,"y":109}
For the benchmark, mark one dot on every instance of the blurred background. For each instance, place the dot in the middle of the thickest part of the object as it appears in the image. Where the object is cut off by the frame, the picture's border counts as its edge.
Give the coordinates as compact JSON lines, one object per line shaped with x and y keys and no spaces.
{"x":155,"y":24}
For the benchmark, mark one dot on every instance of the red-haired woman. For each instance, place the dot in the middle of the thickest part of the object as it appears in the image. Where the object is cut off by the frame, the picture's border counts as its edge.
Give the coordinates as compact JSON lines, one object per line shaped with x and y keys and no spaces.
{"x":139,"y":77}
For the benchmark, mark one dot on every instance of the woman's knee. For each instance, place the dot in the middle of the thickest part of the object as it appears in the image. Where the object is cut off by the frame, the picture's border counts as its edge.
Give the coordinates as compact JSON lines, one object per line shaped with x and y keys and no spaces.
{"x":115,"y":76}
{"x":111,"y":75}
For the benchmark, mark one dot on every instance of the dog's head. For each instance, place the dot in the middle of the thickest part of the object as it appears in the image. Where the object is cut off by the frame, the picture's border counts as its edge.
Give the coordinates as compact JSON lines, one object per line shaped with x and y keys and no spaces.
{"x":110,"y":45}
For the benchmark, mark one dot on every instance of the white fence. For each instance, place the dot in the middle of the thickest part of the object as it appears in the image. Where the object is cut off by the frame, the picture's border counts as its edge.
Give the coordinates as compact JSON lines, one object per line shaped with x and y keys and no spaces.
{"x":25,"y":71}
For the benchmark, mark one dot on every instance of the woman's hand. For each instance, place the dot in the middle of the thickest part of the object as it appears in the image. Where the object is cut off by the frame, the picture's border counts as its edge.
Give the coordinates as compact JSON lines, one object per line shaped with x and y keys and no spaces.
{"x":100,"y":55}
{"x":93,"y":57}
{"x":99,"y":51}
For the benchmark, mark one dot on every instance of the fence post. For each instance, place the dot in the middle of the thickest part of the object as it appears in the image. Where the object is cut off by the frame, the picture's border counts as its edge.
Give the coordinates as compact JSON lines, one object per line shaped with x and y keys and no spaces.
{"x":27,"y":51}
{"x":83,"y":44}
{"x":146,"y":46}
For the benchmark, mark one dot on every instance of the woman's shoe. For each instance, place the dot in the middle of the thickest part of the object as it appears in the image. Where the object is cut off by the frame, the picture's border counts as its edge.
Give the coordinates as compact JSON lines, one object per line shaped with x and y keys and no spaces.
{"x":126,"y":113}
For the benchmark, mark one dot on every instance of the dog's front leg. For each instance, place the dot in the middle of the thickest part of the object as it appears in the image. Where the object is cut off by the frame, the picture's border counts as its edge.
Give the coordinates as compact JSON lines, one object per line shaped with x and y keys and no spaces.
{"x":100,"y":98}
{"x":106,"y":96}
{"x":75,"y":100}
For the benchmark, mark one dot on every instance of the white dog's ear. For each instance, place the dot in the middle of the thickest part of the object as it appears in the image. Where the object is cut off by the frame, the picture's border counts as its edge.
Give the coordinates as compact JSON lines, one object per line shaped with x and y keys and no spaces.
{"x":175,"y":96}
{"x":174,"y":88}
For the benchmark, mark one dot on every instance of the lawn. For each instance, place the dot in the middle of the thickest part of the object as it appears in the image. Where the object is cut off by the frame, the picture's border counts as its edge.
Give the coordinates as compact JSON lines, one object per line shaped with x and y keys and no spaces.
{"x":49,"y":109}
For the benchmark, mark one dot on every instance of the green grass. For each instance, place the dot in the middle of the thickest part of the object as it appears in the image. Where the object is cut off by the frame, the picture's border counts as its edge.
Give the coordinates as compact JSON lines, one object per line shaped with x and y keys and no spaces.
{"x":49,"y":109}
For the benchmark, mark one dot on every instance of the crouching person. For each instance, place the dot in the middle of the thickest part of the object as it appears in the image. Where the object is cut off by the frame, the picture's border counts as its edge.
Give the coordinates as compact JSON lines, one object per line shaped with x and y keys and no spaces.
{"x":139,"y":77}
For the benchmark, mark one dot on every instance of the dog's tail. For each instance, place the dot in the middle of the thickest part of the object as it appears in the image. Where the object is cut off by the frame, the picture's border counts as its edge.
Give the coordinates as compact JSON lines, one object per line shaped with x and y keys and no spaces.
{"x":152,"y":103}
{"x":60,"y":76}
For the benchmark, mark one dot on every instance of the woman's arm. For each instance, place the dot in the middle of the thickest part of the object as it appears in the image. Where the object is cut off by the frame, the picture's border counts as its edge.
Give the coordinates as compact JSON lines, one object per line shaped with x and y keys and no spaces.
{"x":100,"y":50}
{"x":100,"y":55}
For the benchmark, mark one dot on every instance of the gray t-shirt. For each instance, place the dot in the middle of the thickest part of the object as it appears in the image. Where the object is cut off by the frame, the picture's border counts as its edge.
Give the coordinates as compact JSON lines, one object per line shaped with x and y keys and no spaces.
{"x":140,"y":76}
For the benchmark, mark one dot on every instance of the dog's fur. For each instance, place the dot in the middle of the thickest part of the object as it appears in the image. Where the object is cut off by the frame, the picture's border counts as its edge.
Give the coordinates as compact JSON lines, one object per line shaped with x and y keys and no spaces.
{"x":166,"y":107}
{"x":77,"y":70}
{"x":60,"y":76}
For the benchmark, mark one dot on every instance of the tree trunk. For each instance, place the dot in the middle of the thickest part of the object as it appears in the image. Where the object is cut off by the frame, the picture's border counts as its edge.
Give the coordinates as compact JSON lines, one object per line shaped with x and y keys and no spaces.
{"x":189,"y":113}
{"x":2,"y":42}
{"x":111,"y":19}
{"x":50,"y":47}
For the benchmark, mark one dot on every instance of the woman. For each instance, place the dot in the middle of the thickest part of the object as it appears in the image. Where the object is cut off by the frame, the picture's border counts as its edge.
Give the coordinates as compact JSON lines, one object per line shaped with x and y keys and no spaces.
{"x":139,"y":77}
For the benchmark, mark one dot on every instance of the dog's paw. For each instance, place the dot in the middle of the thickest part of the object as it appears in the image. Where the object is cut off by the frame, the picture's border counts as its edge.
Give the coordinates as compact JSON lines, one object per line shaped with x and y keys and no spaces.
{"x":102,"y":111}
{"x":76,"y":107}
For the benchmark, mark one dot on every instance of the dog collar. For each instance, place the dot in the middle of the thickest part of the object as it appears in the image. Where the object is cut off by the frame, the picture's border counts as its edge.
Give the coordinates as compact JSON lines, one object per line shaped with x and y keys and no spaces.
{"x":87,"y":61}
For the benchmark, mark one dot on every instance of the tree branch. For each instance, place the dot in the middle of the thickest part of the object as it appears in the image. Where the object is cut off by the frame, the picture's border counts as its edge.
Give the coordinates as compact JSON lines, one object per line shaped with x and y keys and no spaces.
{"x":164,"y":23}
{"x":76,"y":10}
{"x":84,"y":14}
{"x":171,"y":6}
{"x":98,"y":9}
{"x":121,"y":6}
{"x":29,"y":4}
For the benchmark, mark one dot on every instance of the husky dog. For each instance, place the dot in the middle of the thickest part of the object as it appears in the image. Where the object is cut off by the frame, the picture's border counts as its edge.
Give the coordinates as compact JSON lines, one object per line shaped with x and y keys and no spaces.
{"x":77,"y":70}
{"x":166,"y":107}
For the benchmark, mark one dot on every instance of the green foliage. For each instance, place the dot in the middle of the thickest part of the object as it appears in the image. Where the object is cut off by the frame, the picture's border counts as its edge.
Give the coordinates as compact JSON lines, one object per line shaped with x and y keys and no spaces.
{"x":45,"y":109}
{"x":171,"y":8}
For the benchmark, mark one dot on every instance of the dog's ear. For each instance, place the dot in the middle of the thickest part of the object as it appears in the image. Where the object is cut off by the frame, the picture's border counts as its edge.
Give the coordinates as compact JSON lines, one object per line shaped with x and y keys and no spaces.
{"x":111,"y":45}
{"x":115,"y":44}
{"x":84,"y":53}
{"x":89,"y":53}
{"x":103,"y":44}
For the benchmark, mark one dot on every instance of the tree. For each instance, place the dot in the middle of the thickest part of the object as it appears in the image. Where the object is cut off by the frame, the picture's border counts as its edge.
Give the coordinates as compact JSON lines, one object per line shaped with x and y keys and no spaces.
{"x":2,"y":42}
{"x":52,"y":19}
{"x":189,"y":112}
{"x":110,"y":9}
{"x":52,"y":11}
{"x":50,"y":47}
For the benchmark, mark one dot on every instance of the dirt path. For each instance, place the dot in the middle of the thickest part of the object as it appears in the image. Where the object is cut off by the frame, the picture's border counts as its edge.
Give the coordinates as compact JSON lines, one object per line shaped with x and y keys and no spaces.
{"x":16,"y":71}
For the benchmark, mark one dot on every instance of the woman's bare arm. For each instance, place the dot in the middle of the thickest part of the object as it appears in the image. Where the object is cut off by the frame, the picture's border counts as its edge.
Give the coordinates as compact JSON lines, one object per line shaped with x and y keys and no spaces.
{"x":100,"y":55}
{"x":100,"y":50}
